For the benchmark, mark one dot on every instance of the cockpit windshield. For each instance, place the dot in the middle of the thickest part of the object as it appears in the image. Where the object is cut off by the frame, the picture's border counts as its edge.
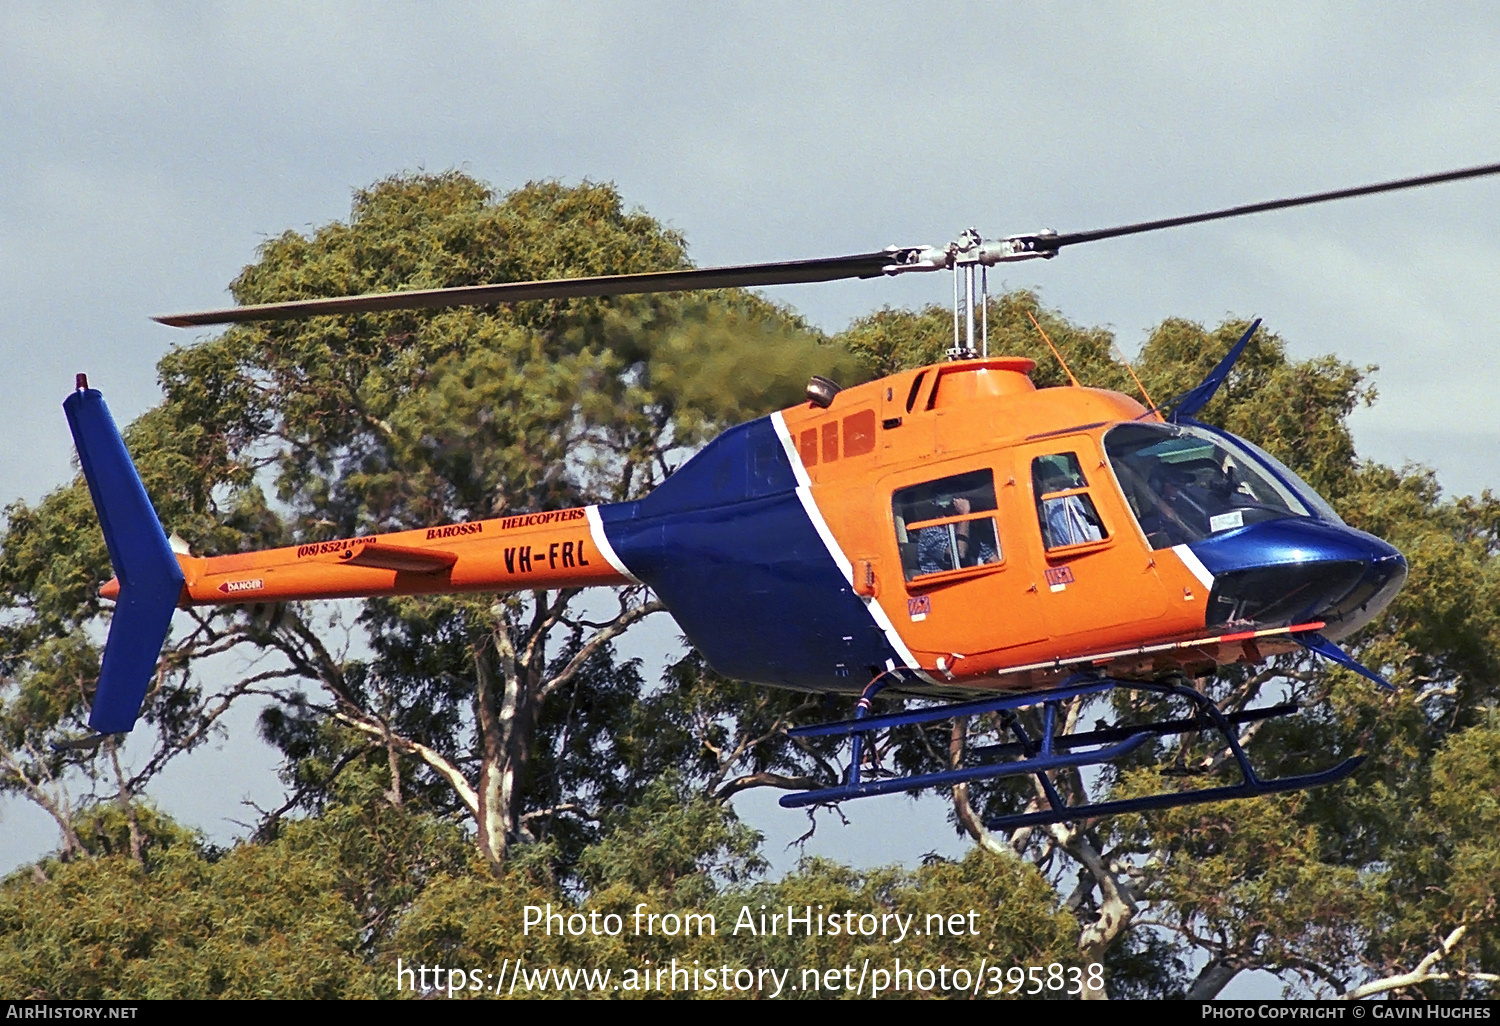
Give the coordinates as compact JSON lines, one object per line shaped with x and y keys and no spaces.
{"x":1184,"y":483}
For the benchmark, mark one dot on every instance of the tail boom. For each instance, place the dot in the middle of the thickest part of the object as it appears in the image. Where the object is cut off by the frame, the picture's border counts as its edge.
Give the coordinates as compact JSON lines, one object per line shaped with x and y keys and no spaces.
{"x":557,"y":549}
{"x":534,"y":551}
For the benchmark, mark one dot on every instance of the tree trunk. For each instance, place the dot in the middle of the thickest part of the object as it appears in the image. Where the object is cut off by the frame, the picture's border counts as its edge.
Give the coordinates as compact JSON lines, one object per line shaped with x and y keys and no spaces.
{"x":1214,"y":978}
{"x":966,"y":816}
{"x":505,"y":710}
{"x":1116,"y":905}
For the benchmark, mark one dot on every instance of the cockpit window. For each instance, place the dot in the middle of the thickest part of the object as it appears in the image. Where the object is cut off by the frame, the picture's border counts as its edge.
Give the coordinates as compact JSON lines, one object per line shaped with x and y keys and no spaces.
{"x":1184,"y":484}
{"x":1305,"y":490}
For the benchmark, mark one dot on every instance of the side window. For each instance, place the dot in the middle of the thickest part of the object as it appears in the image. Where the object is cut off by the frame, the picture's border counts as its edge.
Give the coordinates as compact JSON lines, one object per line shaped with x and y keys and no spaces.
{"x":807,"y":447}
{"x":946,"y":524}
{"x":859,"y":433}
{"x":1064,"y":510}
{"x":830,"y":441}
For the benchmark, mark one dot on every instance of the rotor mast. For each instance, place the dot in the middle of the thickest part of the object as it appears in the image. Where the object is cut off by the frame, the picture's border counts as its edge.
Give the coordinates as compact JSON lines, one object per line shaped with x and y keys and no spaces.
{"x":970,"y":257}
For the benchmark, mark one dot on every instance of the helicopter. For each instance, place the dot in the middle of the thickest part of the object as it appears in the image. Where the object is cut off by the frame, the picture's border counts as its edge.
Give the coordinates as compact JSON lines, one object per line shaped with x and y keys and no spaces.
{"x":949,"y":532}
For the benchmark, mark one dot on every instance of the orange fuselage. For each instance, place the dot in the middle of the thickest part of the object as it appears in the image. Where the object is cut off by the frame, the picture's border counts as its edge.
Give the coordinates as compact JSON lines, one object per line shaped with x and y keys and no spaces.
{"x":935,"y":498}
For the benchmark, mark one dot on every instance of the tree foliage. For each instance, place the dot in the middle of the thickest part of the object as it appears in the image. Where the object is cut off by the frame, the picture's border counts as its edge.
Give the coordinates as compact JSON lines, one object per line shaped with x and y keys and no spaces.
{"x":1344,"y":886}
{"x":462,"y":757}
{"x":281,"y":433}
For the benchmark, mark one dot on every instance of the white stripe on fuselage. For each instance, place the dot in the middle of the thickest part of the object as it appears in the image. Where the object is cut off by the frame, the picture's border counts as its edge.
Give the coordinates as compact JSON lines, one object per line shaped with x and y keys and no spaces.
{"x":804,"y":495}
{"x":601,"y":542}
{"x":1193,"y":563}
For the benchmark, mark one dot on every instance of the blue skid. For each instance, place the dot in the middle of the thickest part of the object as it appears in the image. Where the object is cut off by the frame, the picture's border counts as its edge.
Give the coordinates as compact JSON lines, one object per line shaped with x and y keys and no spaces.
{"x":1051,"y":752}
{"x":150,"y":578}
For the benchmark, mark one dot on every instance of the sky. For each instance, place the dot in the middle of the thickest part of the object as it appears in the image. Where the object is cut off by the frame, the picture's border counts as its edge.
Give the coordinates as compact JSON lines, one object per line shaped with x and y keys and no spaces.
{"x":146,"y":150}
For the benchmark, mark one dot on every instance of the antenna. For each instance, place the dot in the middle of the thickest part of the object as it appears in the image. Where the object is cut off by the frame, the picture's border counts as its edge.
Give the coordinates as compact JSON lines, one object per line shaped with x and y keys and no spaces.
{"x":1119,"y":354}
{"x":1054,"y":349}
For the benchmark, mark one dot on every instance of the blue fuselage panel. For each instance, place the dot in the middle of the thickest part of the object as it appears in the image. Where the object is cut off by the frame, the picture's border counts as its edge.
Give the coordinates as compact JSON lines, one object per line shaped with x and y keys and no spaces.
{"x":727,"y":545}
{"x":1298,"y":569}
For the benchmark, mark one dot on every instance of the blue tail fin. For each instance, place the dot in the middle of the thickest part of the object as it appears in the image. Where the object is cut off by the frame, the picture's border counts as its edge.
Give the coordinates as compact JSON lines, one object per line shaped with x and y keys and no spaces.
{"x":150,"y":577}
{"x":1193,"y":401}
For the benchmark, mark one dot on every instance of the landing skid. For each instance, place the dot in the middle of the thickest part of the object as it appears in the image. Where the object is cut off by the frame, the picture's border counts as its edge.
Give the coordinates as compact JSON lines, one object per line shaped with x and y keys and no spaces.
{"x":1041,"y":755}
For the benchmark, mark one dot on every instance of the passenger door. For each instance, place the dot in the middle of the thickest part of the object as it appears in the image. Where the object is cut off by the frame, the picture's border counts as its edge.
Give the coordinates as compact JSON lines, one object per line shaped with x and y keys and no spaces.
{"x":962,"y":574}
{"x":1098,"y":581}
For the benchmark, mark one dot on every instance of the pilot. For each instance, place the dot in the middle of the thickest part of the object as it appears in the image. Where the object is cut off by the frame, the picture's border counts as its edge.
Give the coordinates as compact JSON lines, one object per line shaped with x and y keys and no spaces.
{"x":1182,"y":501}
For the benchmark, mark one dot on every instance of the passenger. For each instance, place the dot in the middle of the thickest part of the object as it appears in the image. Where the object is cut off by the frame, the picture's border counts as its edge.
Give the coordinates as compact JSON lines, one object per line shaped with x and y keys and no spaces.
{"x":1066,"y":519}
{"x":947,"y":546}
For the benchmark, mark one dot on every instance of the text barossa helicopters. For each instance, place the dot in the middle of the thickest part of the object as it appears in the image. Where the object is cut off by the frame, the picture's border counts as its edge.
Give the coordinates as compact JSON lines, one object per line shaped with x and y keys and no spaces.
{"x":950,"y":532}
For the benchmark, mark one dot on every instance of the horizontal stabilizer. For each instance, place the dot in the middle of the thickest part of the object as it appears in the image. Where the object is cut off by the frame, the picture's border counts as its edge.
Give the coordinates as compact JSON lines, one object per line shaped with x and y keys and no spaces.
{"x":149,"y":575}
{"x":409,"y":558}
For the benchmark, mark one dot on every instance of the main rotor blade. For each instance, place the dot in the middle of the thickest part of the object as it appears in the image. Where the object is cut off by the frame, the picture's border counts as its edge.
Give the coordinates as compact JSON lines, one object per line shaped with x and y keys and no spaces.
{"x":862,"y":265}
{"x":1057,"y":242}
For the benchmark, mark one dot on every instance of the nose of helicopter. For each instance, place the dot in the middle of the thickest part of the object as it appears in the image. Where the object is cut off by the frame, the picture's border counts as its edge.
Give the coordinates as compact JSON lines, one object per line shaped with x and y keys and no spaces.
{"x":1297,"y":570}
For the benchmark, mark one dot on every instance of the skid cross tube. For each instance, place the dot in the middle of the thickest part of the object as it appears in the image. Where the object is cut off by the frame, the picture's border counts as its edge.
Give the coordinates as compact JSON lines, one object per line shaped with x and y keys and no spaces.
{"x":964,"y":774}
{"x":1045,"y":759}
{"x":933,"y":713}
{"x":1107,"y":734}
{"x":861,"y":711}
{"x":1030,"y":747}
{"x":1041,"y":755}
{"x":1251,"y":785}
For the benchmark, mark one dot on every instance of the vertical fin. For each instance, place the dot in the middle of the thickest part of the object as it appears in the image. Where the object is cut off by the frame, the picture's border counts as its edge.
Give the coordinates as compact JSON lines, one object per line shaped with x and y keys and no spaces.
{"x":1198,"y":397}
{"x":150,"y":577}
{"x":1315,"y":642}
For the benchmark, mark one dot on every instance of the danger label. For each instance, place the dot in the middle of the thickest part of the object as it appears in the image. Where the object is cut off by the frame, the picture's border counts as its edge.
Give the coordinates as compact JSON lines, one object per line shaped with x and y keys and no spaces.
{"x":253,"y":584}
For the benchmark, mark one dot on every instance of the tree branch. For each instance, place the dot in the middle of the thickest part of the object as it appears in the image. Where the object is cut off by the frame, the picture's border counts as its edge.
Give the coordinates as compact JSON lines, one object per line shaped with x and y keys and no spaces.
{"x":573,"y":807}
{"x":748,"y":780}
{"x":449,"y":772}
{"x":55,"y":806}
{"x":1423,"y":972}
{"x":208,"y":716}
{"x":581,"y":657}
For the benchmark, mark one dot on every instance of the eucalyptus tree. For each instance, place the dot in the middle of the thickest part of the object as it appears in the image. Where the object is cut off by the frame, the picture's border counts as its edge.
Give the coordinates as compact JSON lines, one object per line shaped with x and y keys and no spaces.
{"x":282,"y":433}
{"x":1385,"y":880}
{"x":513,"y":715}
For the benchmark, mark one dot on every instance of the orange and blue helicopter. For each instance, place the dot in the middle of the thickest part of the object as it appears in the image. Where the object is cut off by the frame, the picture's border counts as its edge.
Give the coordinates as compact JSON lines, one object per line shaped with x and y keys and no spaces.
{"x":949,"y":532}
